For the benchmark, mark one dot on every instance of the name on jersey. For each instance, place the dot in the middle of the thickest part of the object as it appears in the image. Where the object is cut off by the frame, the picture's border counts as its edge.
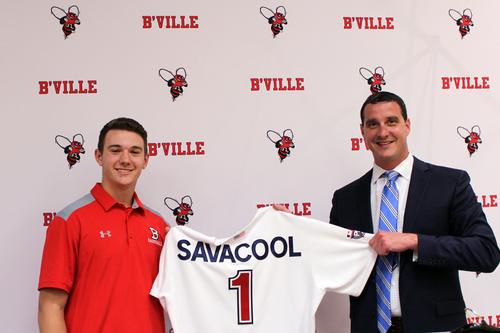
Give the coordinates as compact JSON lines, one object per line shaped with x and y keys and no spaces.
{"x":260,"y":249}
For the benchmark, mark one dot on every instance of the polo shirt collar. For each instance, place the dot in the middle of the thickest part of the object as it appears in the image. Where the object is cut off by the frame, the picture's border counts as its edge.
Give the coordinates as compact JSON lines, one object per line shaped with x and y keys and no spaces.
{"x":107,"y":201}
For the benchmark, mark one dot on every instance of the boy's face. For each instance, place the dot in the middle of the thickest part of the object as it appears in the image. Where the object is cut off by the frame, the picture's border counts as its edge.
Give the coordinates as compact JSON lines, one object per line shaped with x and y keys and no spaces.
{"x":122,"y":160}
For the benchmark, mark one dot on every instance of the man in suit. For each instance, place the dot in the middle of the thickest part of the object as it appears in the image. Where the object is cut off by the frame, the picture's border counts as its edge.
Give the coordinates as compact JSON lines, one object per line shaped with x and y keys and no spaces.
{"x":441,"y":228}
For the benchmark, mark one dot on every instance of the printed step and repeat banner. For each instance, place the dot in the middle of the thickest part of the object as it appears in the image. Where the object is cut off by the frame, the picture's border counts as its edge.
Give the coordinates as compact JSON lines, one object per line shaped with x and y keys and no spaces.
{"x":246,"y":103}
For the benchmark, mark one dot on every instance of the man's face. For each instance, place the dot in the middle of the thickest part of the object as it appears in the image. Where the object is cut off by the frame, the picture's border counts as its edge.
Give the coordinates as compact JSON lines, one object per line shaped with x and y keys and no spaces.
{"x":122,"y":159}
{"x":385,"y":132}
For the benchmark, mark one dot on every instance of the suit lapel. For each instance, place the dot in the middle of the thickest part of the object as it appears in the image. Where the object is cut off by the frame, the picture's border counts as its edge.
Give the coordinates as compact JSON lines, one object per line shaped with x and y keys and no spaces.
{"x":363,"y":204}
{"x":418,"y":186}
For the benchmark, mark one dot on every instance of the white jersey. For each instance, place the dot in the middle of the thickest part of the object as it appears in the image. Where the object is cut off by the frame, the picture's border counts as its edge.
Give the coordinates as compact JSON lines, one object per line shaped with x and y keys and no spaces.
{"x":268,"y":278}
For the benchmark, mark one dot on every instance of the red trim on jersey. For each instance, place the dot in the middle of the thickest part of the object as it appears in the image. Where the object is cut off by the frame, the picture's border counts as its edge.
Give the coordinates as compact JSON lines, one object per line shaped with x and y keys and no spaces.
{"x":103,"y":256}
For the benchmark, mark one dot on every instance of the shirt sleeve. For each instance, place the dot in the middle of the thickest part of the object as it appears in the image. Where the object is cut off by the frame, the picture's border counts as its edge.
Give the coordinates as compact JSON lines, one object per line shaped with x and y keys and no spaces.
{"x":159,"y":288}
{"x":341,"y":259}
{"x":59,"y":257}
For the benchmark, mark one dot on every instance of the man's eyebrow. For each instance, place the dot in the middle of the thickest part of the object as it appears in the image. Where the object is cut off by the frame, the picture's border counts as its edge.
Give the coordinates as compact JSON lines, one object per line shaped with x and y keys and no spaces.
{"x":120,"y":146}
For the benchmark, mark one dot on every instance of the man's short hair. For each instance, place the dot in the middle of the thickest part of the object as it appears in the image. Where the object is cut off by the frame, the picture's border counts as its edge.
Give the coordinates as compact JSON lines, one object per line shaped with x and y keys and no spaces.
{"x":384,"y":96}
{"x":126,"y":124}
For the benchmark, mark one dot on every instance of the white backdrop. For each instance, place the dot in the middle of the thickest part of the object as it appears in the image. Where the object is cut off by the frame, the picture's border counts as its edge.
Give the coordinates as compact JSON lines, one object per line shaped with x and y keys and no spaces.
{"x":239,"y":167}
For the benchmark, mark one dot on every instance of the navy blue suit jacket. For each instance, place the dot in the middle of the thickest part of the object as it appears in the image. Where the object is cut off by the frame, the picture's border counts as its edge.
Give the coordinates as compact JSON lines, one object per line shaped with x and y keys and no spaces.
{"x":453,"y":235}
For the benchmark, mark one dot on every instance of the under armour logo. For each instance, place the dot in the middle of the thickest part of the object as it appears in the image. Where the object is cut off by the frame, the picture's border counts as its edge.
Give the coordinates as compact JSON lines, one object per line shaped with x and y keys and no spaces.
{"x":105,"y":233}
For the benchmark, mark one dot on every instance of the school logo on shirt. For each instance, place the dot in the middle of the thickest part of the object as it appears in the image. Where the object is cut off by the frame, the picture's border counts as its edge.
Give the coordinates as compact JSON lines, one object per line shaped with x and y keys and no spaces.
{"x":181,"y":210}
{"x":72,"y":148}
{"x":354,"y":234}
{"x":472,"y":138}
{"x":155,"y":237}
{"x":464,"y":20}
{"x":275,"y":18}
{"x":282,"y":141}
{"x":67,"y":19}
{"x":374,"y":79}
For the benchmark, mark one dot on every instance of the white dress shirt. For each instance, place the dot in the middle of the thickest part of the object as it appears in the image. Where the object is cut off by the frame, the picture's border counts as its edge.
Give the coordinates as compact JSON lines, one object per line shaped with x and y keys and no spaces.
{"x":377,"y":185}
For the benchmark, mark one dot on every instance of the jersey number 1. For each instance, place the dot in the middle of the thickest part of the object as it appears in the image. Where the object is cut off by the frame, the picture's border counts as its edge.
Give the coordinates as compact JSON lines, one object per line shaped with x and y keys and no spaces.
{"x":242,"y":283}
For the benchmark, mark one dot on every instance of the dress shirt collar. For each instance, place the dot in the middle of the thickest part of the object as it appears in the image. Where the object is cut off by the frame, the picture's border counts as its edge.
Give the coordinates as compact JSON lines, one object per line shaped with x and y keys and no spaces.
{"x":404,"y":169}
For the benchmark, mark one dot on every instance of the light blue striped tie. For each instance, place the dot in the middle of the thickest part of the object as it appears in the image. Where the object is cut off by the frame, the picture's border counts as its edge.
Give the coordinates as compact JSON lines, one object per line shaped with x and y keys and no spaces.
{"x":388,"y":221}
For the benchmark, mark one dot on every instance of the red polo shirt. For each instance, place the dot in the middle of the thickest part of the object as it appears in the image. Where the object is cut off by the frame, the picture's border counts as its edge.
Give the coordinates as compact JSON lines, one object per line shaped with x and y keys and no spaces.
{"x":105,"y":256}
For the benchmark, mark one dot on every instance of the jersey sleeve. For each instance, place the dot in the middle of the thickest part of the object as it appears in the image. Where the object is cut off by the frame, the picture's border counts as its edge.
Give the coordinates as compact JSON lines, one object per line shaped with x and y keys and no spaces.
{"x":160,"y":285}
{"x":59,"y":257}
{"x":341,"y":260}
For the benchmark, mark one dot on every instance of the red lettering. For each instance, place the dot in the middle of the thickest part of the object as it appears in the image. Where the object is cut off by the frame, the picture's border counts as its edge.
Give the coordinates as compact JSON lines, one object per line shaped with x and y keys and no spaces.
{"x":166,"y":148}
{"x":47,"y":218}
{"x":43,"y":87}
{"x":189,"y":151}
{"x":485,"y":204}
{"x":68,"y":87}
{"x":282,"y":88}
{"x":296,"y":211}
{"x":146,"y":22}
{"x":184,"y":25}
{"x":170,"y":22}
{"x":299,"y":82}
{"x":463,"y":82}
{"x":152,"y":151}
{"x":275,"y":85}
{"x":493,"y":200}
{"x":81,"y":89}
{"x":289,"y":84}
{"x":359,"y":22}
{"x":174,"y":24}
{"x":370,"y":23}
{"x":72,"y":90}
{"x":305,"y":211}
{"x":347,"y":23}
{"x":486,"y":84}
{"x":92,"y":88}
{"x":179,"y":149}
{"x":305,"y":208}
{"x":65,"y":85}
{"x":199,"y":148}
{"x":446,"y":83}
{"x":57,"y":86}
{"x":267,"y":83}
{"x":469,"y":86}
{"x":254,"y":84}
{"x":355,"y":143}
{"x":160,"y":20}
{"x":389,"y":21}
{"x":193,"y":22}
{"x":498,"y":321}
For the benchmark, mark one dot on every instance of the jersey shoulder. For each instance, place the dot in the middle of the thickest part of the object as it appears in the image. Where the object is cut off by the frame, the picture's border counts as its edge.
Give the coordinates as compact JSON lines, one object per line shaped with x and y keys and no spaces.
{"x":76,"y":205}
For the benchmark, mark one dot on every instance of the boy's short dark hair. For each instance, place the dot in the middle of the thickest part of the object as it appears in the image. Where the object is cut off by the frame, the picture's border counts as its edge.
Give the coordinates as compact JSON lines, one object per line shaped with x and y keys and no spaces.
{"x":126,"y":124}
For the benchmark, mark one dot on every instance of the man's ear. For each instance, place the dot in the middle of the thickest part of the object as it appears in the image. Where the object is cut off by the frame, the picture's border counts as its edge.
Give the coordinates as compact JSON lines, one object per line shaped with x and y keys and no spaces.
{"x":98,"y":156}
